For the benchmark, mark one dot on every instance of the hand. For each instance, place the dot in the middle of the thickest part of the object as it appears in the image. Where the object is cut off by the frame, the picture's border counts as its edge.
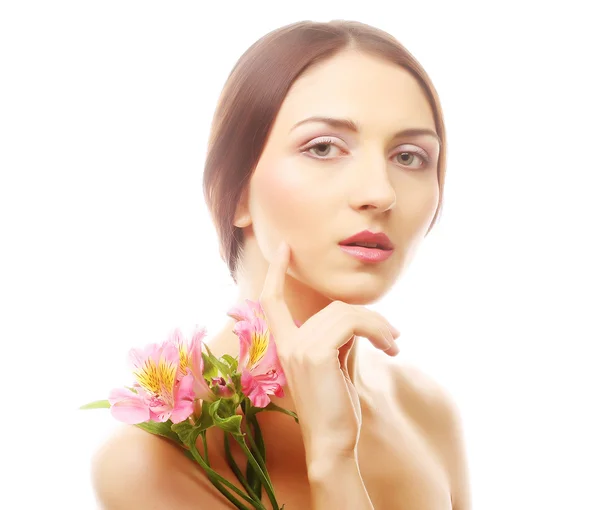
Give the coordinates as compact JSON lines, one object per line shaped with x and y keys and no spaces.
{"x":314,"y":360}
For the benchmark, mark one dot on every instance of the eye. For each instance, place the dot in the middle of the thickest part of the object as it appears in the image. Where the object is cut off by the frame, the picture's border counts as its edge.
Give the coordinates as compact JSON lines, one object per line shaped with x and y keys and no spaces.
{"x":319,"y":144}
{"x":409,"y":156}
{"x":322,"y":146}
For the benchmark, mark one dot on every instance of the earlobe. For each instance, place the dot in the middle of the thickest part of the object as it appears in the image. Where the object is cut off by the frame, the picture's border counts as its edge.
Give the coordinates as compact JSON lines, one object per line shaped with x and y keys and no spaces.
{"x":242,"y":215}
{"x":243,"y":221}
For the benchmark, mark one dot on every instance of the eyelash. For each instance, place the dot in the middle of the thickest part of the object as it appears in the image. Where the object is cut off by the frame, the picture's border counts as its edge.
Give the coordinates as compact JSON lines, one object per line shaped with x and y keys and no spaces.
{"x":329,"y":141}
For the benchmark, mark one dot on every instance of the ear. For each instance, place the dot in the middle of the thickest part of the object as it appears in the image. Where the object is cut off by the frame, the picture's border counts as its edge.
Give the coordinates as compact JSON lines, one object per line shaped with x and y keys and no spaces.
{"x":242,"y":217}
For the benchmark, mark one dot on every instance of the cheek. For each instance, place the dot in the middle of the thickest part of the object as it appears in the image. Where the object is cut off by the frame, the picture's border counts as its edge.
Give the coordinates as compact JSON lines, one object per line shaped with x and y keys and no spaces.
{"x":282,"y":203}
{"x":418,"y":207}
{"x":278,"y":194}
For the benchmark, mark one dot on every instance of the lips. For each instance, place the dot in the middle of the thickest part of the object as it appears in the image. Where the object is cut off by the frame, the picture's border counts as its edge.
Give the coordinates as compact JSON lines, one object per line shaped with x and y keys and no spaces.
{"x":366,"y":236}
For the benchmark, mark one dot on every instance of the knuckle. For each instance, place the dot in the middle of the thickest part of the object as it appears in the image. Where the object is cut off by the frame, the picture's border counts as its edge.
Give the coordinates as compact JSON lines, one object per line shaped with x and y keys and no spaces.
{"x":283,"y":355}
{"x":294,"y":357}
{"x":338,"y":305}
{"x":286,"y":353}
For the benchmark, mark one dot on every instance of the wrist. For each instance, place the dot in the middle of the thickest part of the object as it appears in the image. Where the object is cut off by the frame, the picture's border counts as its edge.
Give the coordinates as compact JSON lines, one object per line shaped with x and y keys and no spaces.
{"x":335,"y":482}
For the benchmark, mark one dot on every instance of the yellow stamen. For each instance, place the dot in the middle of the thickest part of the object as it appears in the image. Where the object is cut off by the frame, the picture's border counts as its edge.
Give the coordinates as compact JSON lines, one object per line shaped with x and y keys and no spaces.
{"x":184,"y":357}
{"x":258,"y":348}
{"x":156,"y":379}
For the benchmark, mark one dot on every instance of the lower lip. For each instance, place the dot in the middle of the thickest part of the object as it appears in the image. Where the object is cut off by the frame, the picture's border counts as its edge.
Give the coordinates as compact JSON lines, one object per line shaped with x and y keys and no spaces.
{"x":367,"y":254}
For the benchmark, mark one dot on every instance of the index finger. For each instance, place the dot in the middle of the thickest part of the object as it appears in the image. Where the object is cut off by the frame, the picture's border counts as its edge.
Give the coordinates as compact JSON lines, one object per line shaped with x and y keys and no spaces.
{"x":271,"y":298}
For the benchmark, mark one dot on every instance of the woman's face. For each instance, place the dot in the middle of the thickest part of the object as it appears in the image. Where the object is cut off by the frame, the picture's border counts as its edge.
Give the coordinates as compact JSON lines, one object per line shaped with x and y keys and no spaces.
{"x":313,"y":198}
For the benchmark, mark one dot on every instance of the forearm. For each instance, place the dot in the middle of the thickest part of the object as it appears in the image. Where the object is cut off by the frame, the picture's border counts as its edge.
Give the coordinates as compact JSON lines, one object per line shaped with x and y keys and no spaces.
{"x":337,"y":483}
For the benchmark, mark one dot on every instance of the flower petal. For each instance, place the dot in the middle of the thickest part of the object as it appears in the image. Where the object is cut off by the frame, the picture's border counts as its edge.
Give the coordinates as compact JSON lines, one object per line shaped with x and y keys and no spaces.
{"x":269,"y":359}
{"x":260,"y":399}
{"x":195,"y":353}
{"x":244,"y":331}
{"x":242,"y":312}
{"x":269,"y":382}
{"x":167,"y":373}
{"x":257,"y":388}
{"x":118,"y":394}
{"x":128,"y":407}
{"x":137,"y":357}
{"x":184,"y":399}
{"x":202,"y":389}
{"x":170,"y":354}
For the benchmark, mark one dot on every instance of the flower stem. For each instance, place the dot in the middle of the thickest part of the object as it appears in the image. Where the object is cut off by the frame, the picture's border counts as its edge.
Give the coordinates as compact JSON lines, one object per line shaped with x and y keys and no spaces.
{"x":217,"y":479}
{"x":203,"y":434}
{"x":261,"y":475}
{"x":250,"y":473}
{"x":259,"y":446}
{"x":234,"y":467}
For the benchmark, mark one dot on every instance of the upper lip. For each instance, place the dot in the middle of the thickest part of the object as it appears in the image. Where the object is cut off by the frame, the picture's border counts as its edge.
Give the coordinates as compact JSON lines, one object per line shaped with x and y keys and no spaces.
{"x":366,"y":236}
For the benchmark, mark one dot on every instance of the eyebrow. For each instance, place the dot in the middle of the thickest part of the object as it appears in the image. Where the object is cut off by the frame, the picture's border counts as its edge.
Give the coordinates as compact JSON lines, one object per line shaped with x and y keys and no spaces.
{"x":350,"y":125}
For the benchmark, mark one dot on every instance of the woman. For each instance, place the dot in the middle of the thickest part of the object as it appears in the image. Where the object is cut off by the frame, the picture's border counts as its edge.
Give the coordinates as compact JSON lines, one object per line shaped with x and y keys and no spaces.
{"x":322,"y":131}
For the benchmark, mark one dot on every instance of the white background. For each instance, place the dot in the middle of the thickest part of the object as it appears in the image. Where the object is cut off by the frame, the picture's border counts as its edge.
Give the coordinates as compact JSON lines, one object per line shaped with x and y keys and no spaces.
{"x":106,"y":242}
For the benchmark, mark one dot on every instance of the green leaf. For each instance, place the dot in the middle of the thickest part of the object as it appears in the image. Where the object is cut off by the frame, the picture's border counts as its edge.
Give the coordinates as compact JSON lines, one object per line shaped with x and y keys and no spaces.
{"x":273,"y":407}
{"x":231,"y":424}
{"x":97,"y":404}
{"x":161,"y":429}
{"x":210,"y":370}
{"x":227,"y":407}
{"x":185,"y":432}
{"x":231,"y":361}
{"x":235,"y":399}
{"x":206,"y":420}
{"x":223,"y":367}
{"x":237,"y":382}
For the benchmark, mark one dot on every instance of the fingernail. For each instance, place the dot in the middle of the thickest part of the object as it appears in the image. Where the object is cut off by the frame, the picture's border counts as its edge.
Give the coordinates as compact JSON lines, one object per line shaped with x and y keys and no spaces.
{"x":393,"y":350}
{"x":395,"y":332}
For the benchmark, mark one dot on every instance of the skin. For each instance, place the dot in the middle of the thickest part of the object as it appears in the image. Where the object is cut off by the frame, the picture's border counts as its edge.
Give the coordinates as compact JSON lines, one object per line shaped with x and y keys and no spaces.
{"x":359,"y":183}
{"x":410,"y":449}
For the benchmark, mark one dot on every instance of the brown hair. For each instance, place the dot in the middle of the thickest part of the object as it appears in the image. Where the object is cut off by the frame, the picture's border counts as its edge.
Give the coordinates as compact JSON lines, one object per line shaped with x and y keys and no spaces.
{"x":251,"y":98}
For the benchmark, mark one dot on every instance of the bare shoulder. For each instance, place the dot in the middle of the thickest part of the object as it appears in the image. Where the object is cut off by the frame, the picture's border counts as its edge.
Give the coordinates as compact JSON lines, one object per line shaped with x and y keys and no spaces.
{"x":136,"y":469}
{"x":434,"y":409}
{"x":420,"y":390}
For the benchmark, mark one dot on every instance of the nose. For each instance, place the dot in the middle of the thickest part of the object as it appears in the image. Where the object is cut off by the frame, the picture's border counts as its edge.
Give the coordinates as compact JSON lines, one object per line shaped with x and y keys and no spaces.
{"x":372,"y":187}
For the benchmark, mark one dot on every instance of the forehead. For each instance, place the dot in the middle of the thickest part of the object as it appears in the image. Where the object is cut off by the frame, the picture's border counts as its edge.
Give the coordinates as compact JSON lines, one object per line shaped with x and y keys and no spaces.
{"x":375,"y":93}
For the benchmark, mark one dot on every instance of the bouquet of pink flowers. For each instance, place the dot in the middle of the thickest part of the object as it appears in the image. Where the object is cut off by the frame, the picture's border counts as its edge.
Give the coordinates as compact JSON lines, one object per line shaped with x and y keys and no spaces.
{"x":180,"y":391}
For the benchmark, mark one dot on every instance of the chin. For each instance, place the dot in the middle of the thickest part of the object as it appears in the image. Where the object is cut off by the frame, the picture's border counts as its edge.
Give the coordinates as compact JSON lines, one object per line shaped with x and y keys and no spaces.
{"x":358,"y":286}
{"x":364,"y":293}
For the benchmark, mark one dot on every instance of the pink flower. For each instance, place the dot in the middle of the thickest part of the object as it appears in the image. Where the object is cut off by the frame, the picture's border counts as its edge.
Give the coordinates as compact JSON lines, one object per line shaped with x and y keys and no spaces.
{"x":222,"y":387}
{"x":190,"y":356}
{"x":158,"y":393}
{"x":248,"y":311}
{"x":168,"y":381}
{"x":262,"y":374}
